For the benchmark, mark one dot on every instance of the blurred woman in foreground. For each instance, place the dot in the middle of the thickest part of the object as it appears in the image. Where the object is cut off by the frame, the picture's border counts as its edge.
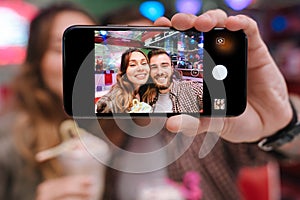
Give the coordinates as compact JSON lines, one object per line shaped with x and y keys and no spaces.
{"x":38,"y":114}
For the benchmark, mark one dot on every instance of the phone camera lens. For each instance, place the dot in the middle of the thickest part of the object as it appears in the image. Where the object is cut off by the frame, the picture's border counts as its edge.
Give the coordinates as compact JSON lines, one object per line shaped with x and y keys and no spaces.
{"x":220,"y":41}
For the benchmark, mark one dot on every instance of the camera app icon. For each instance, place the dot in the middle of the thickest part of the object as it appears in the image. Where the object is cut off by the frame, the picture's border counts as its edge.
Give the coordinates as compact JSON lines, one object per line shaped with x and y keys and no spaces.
{"x":220,"y":41}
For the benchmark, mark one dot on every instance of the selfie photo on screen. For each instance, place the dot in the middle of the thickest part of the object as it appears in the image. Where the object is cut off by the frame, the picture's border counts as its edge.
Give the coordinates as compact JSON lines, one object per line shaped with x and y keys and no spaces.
{"x":148,"y":71}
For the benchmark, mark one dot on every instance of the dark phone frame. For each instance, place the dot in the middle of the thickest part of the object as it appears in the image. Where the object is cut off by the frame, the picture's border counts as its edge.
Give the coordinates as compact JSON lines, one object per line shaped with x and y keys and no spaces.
{"x":78,"y":54}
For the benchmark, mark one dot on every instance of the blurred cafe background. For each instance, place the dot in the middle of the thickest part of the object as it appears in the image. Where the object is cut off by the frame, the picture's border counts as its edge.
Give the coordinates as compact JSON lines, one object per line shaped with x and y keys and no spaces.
{"x":278,"y":20}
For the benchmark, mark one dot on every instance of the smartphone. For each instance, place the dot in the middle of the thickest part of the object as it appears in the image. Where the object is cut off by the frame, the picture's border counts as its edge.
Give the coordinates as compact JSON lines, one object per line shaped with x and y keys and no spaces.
{"x":206,"y":72}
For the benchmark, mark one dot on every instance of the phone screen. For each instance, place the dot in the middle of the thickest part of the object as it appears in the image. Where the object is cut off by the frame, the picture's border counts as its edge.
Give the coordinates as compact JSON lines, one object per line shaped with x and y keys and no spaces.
{"x":177,"y":66}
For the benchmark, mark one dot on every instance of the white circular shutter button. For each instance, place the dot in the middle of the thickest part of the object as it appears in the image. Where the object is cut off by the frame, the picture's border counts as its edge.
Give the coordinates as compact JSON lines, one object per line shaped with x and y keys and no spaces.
{"x":219,"y":72}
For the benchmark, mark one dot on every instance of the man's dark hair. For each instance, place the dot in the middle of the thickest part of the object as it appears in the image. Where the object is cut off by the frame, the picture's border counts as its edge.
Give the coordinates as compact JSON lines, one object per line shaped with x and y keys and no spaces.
{"x":156,"y":52}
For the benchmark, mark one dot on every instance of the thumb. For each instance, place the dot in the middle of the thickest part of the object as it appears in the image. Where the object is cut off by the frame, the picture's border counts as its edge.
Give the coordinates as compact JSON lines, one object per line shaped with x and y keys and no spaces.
{"x":190,"y":125}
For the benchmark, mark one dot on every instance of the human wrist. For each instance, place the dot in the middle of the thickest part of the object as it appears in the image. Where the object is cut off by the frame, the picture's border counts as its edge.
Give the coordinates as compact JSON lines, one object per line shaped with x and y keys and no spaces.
{"x":284,"y":135}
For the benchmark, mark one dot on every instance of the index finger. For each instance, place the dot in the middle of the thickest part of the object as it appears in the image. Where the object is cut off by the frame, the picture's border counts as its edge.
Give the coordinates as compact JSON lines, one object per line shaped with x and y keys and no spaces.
{"x":210,"y":19}
{"x":204,"y":22}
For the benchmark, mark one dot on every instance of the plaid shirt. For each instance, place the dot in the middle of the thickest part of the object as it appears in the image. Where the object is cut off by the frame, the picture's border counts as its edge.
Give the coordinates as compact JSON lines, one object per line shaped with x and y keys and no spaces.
{"x":218,"y":169}
{"x":186,"y":96}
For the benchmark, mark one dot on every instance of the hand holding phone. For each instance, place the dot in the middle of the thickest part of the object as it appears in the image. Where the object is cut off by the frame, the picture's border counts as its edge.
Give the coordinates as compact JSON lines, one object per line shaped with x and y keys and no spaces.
{"x":268,"y":107}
